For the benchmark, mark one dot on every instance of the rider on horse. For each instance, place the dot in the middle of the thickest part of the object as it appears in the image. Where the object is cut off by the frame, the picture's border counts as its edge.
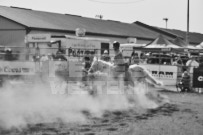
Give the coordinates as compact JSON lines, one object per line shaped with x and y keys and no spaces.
{"x":120,"y":66}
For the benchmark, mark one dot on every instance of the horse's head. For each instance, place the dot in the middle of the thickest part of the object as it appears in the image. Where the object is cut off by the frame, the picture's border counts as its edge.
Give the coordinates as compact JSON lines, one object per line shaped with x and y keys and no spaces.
{"x":99,"y":65}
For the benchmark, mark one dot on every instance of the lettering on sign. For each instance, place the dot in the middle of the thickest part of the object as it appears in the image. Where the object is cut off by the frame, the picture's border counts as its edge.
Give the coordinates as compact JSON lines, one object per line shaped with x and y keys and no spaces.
{"x":162,"y":74}
{"x":39,"y":38}
{"x":8,"y":69}
{"x":80,"y":52}
{"x":200,"y":78}
{"x":84,"y":45}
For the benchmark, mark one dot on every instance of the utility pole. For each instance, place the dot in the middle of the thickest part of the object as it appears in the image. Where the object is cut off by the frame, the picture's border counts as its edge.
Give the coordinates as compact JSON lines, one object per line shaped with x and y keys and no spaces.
{"x":166,"y":19}
{"x":188,"y":18}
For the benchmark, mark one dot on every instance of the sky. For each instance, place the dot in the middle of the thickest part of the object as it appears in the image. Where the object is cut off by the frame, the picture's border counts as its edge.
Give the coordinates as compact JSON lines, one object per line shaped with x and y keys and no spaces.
{"x":150,"y":12}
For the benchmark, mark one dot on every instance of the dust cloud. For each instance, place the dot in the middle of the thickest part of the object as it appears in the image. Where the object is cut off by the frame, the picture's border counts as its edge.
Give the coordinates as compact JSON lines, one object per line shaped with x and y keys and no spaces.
{"x":23,"y":104}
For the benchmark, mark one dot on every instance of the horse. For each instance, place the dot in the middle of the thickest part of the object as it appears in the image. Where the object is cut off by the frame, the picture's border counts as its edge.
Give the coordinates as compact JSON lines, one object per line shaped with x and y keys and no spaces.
{"x":134,"y":73}
{"x":134,"y":78}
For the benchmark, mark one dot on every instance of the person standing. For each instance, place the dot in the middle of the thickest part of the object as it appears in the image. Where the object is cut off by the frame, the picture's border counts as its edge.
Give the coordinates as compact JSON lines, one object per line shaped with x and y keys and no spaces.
{"x":191,"y":64}
{"x":135,"y":58}
{"x":105,"y":56}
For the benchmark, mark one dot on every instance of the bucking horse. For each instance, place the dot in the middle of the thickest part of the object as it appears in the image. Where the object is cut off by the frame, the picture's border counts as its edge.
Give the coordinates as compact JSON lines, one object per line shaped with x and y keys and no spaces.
{"x":131,"y":74}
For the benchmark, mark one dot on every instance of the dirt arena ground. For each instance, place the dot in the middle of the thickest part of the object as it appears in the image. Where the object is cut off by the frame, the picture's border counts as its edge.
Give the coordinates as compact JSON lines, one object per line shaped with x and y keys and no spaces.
{"x":182,"y":116}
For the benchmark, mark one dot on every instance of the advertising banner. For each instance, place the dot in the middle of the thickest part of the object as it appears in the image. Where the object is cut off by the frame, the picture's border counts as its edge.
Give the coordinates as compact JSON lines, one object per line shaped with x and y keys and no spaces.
{"x":198,"y":78}
{"x":17,"y":68}
{"x":36,"y":38}
{"x":165,"y":73}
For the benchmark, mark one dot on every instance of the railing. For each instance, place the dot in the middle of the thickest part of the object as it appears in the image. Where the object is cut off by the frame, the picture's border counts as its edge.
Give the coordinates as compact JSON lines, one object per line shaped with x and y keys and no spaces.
{"x":72,"y":68}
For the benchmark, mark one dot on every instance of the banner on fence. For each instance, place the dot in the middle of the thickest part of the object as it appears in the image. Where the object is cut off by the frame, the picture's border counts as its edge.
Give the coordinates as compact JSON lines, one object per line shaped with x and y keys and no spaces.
{"x":166,"y":73}
{"x":198,"y":78}
{"x":17,"y":68}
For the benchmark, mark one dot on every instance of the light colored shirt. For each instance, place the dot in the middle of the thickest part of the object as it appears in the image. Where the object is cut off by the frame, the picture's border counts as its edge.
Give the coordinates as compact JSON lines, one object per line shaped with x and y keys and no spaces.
{"x":118,"y":59}
{"x":192,"y":64}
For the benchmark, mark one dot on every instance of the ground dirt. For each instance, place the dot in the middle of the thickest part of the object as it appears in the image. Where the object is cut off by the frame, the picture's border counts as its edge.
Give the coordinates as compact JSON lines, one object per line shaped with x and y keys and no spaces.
{"x":183,"y":115}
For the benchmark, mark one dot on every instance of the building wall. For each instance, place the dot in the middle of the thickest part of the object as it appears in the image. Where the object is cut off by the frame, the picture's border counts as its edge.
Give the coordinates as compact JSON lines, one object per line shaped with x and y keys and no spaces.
{"x":111,"y":38}
{"x":11,"y":33}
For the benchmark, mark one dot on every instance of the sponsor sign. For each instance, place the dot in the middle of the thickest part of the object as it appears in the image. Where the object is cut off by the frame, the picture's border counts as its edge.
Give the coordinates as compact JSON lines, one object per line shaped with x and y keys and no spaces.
{"x":166,"y":49}
{"x":197,"y":78}
{"x":166,"y":73}
{"x":38,"y":38}
{"x":17,"y":68}
{"x":83,"y":44}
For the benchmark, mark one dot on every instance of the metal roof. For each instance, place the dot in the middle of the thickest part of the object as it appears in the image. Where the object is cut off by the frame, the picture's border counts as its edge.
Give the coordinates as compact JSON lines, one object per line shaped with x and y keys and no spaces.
{"x":65,"y":22}
{"x":194,"y":38}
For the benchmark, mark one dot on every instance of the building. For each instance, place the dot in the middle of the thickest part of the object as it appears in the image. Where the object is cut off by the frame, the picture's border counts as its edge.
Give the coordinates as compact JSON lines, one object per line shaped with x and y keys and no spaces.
{"x":16,"y":23}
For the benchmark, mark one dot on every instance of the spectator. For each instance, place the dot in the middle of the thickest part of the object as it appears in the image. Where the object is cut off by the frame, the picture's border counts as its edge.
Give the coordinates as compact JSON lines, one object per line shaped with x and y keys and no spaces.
{"x":8,"y":54}
{"x":185,"y":81}
{"x":50,"y":56}
{"x":192,"y":63}
{"x":60,"y":56}
{"x":44,"y":58}
{"x":178,"y":61}
{"x":143,"y":58}
{"x":135,"y":58}
{"x":70,"y":52}
{"x":106,"y":56}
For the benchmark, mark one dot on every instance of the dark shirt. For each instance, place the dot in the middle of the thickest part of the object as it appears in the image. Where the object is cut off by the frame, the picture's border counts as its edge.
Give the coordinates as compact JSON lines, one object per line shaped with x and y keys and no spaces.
{"x":63,"y":58}
{"x":185,"y":79}
{"x":9,"y":57}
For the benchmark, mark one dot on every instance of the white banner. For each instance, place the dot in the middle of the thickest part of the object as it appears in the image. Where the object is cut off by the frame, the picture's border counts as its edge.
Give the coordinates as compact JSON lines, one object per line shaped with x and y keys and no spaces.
{"x":165,"y":73}
{"x":17,"y":68}
{"x":38,"y":38}
{"x":82,"y":44}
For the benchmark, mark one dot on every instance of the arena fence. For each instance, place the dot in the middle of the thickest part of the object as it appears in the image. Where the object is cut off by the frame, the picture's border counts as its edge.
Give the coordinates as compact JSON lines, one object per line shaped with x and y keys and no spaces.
{"x":72,"y":68}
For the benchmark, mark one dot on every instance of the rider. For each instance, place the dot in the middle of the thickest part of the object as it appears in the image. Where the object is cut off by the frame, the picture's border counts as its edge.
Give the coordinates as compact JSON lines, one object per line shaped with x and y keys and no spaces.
{"x":119,"y":64}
